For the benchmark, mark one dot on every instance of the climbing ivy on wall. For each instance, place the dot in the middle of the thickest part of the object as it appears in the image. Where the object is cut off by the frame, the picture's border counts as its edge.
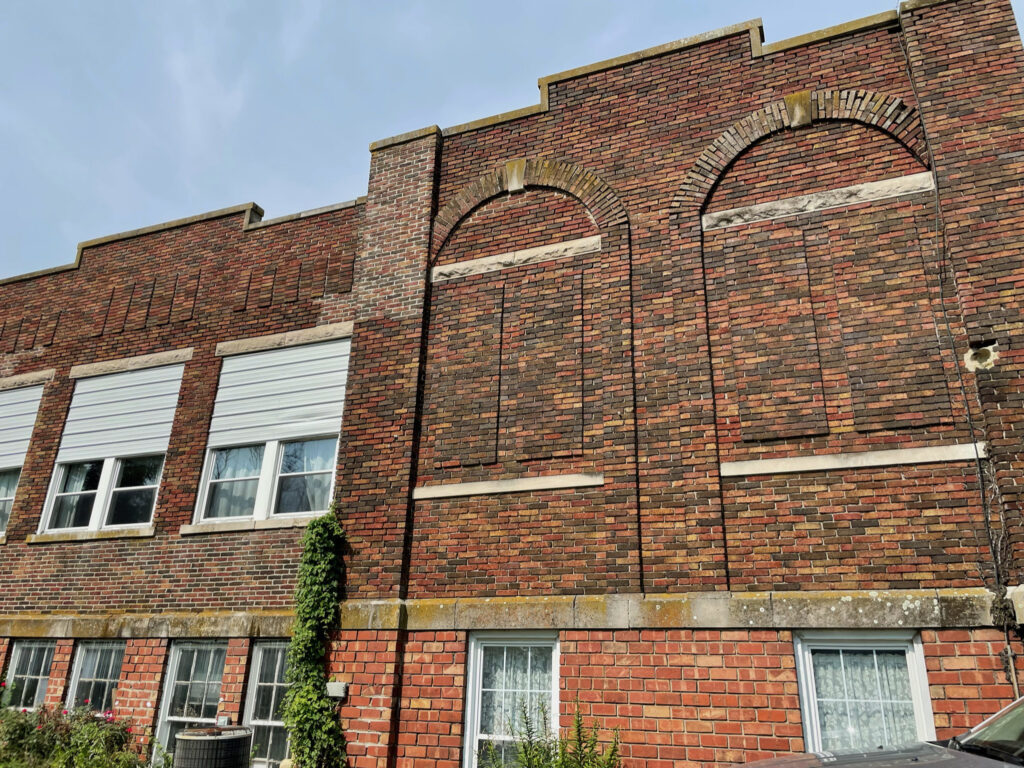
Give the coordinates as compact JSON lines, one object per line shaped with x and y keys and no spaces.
{"x":310,"y":715}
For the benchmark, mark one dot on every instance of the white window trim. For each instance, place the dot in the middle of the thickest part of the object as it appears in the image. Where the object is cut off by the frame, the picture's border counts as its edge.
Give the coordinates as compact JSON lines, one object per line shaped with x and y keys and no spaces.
{"x":76,"y":670}
{"x":162,"y":723}
{"x":474,"y":664}
{"x":269,"y":478}
{"x":907,"y":641}
{"x":104,"y":494}
{"x":11,"y":498}
{"x":18,"y":647}
{"x":250,"y":693}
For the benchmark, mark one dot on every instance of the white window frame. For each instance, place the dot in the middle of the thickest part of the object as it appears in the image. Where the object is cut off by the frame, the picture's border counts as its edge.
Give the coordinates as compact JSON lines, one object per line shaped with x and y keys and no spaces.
{"x":76,"y":671}
{"x":12,"y":497}
{"x":474,"y":672}
{"x":269,"y":478}
{"x":163,"y":723}
{"x":259,"y":649}
{"x":104,"y":494}
{"x":19,"y":647}
{"x":909,"y":642}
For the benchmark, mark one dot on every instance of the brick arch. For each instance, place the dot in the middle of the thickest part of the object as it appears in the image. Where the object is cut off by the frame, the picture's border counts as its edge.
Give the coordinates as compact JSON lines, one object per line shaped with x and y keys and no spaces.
{"x":590,"y":189}
{"x":882,"y":111}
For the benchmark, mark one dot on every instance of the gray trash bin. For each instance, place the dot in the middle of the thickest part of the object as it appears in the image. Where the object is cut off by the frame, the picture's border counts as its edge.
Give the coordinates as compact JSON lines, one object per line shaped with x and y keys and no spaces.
{"x":224,"y":747}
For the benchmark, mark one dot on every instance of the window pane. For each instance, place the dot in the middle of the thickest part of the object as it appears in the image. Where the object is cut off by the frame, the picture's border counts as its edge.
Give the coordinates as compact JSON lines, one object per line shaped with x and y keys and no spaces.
{"x":72,"y":511}
{"x":540,"y":669}
{"x":81,"y":477}
{"x":230,"y":463}
{"x":194,"y":690}
{"x":98,"y":676}
{"x":308,"y":456}
{"x":140,"y":471}
{"x":8,"y":483}
{"x":236,"y":498}
{"x":28,"y":676}
{"x":5,"y":513}
{"x":131,"y":507}
{"x":303,"y":493}
{"x":494,"y":667}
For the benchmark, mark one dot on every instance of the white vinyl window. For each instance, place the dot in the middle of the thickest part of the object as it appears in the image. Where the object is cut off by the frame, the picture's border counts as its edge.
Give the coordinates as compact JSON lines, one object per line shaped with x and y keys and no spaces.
{"x":18,"y":411}
{"x":274,"y":433}
{"x":267,"y":687}
{"x":29,"y":673}
{"x":510,"y":674}
{"x":8,"y":485}
{"x":862,"y":690}
{"x":95,"y":675}
{"x":112,"y":450}
{"x":191,"y":689}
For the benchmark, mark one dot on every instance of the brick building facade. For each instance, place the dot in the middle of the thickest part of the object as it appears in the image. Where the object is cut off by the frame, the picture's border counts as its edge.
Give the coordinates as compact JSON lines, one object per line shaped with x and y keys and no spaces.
{"x":683,"y":397}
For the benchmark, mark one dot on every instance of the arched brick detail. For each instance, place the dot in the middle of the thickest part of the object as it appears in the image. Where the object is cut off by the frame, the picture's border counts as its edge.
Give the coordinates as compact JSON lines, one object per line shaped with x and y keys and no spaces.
{"x":591,"y":190}
{"x":885,"y":112}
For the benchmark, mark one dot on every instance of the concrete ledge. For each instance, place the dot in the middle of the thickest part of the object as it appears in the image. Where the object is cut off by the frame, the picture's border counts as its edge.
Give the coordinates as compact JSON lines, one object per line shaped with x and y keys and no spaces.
{"x":819,"y":201}
{"x":287,"y":339}
{"x":307,"y":214}
{"x":229,"y":526}
{"x":404,"y":138}
{"x":131,"y":363}
{"x":517,"y":485}
{"x":850,"y":609}
{"x":832,"y":461}
{"x":913,"y":5}
{"x":541,"y":253}
{"x":31,"y":379}
{"x":196,"y":624}
{"x":53,"y":537}
{"x":883,"y":19}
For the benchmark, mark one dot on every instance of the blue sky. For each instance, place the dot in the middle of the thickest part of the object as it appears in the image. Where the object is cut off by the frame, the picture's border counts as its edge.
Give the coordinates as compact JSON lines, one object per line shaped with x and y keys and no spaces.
{"x":122,"y":113}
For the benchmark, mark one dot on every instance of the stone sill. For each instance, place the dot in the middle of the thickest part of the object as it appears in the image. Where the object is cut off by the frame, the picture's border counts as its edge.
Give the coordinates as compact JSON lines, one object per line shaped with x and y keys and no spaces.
{"x":53,"y":537}
{"x":229,"y":526}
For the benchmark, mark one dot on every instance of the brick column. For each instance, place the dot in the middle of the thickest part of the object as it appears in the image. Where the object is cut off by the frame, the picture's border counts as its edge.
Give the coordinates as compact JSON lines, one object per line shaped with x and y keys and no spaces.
{"x":138,"y":690}
{"x":232,"y":686}
{"x":60,"y":673}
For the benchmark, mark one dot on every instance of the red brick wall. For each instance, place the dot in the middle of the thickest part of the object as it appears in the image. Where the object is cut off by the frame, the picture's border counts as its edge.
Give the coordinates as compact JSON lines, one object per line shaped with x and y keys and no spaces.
{"x":137,"y":696}
{"x":60,"y":673}
{"x":233,"y":684}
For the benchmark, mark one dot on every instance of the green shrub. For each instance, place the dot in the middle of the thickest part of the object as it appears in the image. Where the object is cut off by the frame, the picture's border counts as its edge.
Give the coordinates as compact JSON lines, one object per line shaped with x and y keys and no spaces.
{"x":311,"y":717}
{"x":535,"y":748}
{"x":49,"y":738}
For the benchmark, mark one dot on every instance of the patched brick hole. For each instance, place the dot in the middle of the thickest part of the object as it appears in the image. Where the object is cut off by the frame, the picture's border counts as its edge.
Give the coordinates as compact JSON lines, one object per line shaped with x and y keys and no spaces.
{"x":982,"y":357}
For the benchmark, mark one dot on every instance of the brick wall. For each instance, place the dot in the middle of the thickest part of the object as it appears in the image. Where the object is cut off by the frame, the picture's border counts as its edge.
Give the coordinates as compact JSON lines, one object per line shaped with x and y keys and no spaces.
{"x":137,"y":695}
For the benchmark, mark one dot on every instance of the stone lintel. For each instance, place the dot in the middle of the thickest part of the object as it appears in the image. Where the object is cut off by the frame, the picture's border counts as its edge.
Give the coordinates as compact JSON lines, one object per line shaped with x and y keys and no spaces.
{"x":818,"y":201}
{"x":826,"y":462}
{"x":541,"y":253}
{"x":286,"y":339}
{"x":131,"y":363}
{"x":194,"y":624}
{"x":31,"y":379}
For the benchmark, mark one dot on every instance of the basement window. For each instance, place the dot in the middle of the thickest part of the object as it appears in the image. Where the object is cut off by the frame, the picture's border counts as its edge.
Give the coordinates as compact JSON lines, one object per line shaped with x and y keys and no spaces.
{"x":267,"y":686}
{"x":509,"y":673}
{"x":191,"y":689}
{"x":95,"y":676}
{"x":862,"y":691}
{"x":29,"y":673}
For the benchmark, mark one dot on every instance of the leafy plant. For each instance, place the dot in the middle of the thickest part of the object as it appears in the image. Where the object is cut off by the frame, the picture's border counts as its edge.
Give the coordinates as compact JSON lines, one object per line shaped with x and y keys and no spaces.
{"x":48,"y":738}
{"x":535,"y":748}
{"x":309,"y":714}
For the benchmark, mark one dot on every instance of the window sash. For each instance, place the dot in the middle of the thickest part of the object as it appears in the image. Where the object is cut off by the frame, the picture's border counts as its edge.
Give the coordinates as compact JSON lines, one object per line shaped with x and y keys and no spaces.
{"x":275,"y":653}
{"x":170,"y":724}
{"x":474,"y":737}
{"x":8,"y":489}
{"x":24,"y":658}
{"x":908,"y":643}
{"x":88,"y":676}
{"x":102,"y":497}
{"x":268,"y":481}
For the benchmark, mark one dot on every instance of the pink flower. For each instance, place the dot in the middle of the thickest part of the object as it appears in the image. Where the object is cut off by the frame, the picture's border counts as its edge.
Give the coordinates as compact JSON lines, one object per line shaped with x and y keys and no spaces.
{"x":3,"y":684}
{"x":39,"y":727}
{"x":63,"y":711}
{"x":86,"y":701}
{"x":24,"y":710}
{"x":128,"y":729}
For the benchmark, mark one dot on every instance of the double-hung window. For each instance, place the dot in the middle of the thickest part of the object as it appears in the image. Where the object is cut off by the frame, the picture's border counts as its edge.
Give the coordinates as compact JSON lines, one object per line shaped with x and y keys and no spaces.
{"x":29,"y":673}
{"x":191,"y":689}
{"x":96,"y":672}
{"x":862,"y":690}
{"x":18,"y":409}
{"x":511,"y":676}
{"x":112,"y":450}
{"x":274,"y":433}
{"x":267,"y":687}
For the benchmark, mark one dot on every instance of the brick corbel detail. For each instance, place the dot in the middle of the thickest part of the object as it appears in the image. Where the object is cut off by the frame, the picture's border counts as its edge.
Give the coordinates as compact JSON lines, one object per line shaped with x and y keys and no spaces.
{"x":591,"y":190}
{"x":882,"y":111}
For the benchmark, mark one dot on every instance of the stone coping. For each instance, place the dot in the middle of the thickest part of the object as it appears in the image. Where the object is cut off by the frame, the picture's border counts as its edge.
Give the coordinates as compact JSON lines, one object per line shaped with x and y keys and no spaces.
{"x":513,"y":485}
{"x":286,"y":339}
{"x":909,"y":609}
{"x":826,"y":462}
{"x":131,"y":363}
{"x":54,"y":537}
{"x":30,"y":379}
